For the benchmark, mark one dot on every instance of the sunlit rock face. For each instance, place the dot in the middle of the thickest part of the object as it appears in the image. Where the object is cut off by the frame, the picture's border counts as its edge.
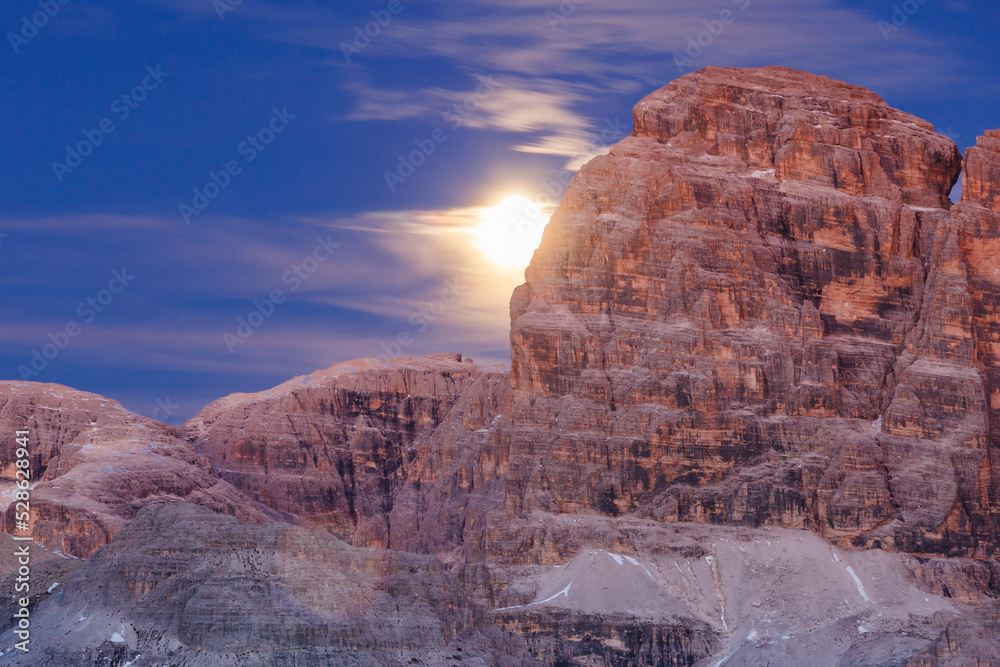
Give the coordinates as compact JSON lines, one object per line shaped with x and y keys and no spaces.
{"x":762,"y":309}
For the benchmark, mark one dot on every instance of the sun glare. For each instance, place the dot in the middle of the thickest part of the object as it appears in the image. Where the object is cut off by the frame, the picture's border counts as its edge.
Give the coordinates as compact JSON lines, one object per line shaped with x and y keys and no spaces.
{"x":509,"y":232}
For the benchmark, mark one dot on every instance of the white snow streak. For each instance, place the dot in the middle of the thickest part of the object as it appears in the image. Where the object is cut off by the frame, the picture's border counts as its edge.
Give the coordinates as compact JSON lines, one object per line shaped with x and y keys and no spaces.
{"x":638,"y":564}
{"x":861,"y":589}
{"x":564,"y":592}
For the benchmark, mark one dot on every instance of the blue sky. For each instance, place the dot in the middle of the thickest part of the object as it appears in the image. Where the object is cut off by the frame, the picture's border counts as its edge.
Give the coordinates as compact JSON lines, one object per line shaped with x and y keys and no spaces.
{"x":511,"y":96}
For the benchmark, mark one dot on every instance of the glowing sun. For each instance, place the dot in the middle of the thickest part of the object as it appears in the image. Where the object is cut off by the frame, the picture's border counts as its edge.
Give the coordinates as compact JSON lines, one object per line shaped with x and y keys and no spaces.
{"x":509,"y":232}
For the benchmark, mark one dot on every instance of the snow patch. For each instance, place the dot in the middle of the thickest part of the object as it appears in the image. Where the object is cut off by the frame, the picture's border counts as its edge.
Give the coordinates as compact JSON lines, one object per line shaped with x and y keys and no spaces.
{"x":638,"y":564}
{"x":117,"y":638}
{"x":728,"y":656}
{"x":564,"y":592}
{"x":861,"y":588}
{"x":52,"y":587}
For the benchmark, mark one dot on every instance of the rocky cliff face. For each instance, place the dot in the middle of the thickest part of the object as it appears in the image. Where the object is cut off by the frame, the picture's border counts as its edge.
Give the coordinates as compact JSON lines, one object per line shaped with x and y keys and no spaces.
{"x":762,"y":309}
{"x":402,"y":454}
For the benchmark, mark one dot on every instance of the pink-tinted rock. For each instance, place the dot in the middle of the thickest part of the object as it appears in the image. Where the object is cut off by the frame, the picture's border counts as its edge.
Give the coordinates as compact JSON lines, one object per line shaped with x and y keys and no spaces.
{"x":94,"y":464}
{"x":756,"y":311}
{"x":405,"y":453}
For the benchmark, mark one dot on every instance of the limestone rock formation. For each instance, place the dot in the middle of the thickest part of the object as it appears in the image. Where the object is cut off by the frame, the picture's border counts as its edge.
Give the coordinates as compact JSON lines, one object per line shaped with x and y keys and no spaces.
{"x":403,"y":454}
{"x":182,"y":585}
{"x":761,"y":308}
{"x":94,"y":464}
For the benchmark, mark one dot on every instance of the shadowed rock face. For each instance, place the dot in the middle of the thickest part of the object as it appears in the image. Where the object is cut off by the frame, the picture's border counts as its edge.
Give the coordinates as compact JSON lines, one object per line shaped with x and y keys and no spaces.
{"x":762,"y":309}
{"x":182,"y":585}
{"x":94,"y":464}
{"x":392,"y":454}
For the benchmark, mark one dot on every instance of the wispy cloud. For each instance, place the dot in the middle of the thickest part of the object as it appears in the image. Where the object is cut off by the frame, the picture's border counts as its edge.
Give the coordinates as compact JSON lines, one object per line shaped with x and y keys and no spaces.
{"x":554,"y":72}
{"x":345,"y":308}
{"x":83,"y":222}
{"x":542,"y":108}
{"x":628,"y":42}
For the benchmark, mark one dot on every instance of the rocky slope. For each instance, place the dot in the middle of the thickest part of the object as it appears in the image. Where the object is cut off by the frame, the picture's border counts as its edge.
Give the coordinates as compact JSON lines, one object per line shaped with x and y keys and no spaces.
{"x":181,"y":585}
{"x":94,"y":464}
{"x":762,"y":309}
{"x":626,"y":591}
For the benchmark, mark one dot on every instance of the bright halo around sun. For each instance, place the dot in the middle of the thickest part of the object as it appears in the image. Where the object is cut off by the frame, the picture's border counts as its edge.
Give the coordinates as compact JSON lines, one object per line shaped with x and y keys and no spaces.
{"x":509,"y":232}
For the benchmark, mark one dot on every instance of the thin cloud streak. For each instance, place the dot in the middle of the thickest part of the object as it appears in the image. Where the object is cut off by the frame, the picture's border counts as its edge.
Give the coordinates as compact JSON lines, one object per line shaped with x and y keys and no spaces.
{"x":551,"y":70}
